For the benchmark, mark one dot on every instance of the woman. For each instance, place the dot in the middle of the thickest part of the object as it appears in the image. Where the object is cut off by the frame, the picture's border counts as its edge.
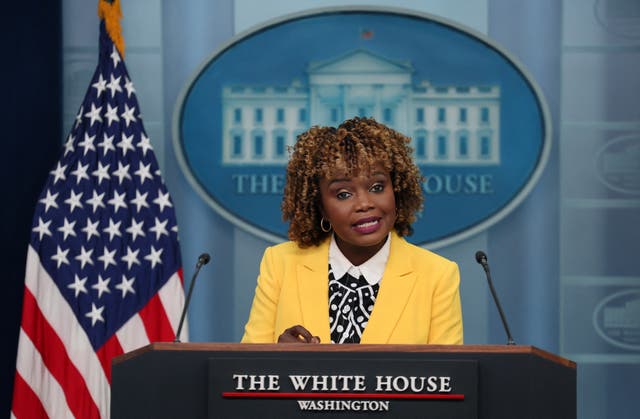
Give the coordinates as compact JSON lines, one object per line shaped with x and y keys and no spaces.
{"x":348,"y":275}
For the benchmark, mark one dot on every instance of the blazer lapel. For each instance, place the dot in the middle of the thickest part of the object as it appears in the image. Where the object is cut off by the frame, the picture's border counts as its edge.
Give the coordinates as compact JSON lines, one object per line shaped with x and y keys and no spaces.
{"x":313,"y":290}
{"x":396,"y":286}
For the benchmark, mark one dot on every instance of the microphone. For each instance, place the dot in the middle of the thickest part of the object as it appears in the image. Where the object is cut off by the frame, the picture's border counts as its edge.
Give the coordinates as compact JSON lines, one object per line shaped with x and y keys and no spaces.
{"x":481,"y":258}
{"x":203,"y":259}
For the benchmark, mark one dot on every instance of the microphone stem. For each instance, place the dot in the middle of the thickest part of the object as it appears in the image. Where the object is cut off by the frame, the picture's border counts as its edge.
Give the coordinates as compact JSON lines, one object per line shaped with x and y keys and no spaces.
{"x":510,"y":340}
{"x":186,"y":303}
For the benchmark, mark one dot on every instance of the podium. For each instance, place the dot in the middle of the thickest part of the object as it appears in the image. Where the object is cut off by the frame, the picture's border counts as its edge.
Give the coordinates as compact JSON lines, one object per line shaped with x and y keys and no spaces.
{"x":229,"y":380}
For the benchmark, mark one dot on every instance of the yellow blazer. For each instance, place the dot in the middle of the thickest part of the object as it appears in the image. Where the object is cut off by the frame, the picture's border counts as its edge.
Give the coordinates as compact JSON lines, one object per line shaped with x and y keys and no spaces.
{"x":418,"y":300}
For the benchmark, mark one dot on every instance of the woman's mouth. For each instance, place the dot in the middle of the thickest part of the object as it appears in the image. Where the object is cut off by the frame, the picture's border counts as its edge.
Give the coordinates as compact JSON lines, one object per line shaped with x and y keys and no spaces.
{"x":367,"y":226}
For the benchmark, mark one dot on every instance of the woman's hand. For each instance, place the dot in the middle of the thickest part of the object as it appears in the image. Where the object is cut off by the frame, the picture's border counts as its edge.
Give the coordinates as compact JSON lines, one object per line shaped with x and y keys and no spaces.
{"x":297,"y":334}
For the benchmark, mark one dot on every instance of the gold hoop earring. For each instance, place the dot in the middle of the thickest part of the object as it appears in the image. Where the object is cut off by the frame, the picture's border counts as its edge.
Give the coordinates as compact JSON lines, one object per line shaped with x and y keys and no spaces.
{"x":322,"y":225}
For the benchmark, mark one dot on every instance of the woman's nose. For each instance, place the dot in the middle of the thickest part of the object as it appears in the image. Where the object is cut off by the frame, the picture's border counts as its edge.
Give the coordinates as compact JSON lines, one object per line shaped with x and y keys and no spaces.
{"x":363,"y":202}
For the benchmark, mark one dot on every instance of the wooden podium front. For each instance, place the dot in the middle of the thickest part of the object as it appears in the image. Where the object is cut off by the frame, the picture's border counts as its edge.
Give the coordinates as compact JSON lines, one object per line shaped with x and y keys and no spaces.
{"x":224,"y":380}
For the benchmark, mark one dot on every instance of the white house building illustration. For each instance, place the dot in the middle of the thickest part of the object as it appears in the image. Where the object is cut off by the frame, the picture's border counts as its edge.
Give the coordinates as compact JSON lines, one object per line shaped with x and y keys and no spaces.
{"x":627,"y":316}
{"x":449,"y":125}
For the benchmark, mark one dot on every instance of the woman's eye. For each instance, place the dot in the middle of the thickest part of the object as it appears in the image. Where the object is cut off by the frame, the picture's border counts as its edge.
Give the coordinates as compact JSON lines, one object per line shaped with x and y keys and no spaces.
{"x":378,"y":187}
{"x":343,"y":195}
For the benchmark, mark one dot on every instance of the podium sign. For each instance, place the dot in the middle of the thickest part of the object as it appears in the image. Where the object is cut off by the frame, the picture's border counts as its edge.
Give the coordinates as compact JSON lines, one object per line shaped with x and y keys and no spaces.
{"x":338,"y":385}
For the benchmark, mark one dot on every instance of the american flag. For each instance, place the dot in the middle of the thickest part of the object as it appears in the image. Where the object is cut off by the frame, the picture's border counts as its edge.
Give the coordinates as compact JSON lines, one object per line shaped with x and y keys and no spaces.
{"x":103,"y":274}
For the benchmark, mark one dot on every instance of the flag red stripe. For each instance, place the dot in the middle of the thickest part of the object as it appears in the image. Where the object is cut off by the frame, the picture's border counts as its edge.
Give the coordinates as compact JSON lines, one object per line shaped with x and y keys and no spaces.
{"x":56,"y":359}
{"x":109,"y":350}
{"x":156,"y":322}
{"x":26,"y":403}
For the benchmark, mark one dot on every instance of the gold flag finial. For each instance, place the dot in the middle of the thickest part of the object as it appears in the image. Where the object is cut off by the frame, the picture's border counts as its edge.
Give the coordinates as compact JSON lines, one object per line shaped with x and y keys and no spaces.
{"x":109,"y":10}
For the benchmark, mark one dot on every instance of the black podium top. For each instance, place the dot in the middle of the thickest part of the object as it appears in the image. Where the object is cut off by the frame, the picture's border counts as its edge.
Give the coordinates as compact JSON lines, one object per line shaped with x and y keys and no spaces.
{"x":195,"y":380}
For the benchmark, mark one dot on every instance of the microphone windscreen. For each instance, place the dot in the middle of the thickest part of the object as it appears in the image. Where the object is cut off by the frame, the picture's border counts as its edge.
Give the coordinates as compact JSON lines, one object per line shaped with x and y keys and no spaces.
{"x":204,"y":258}
{"x":481,"y":257}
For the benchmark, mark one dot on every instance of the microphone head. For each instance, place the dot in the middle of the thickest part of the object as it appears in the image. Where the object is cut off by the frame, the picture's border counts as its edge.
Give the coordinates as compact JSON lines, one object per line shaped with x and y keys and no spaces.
{"x":203,"y":259}
{"x":481,"y":257}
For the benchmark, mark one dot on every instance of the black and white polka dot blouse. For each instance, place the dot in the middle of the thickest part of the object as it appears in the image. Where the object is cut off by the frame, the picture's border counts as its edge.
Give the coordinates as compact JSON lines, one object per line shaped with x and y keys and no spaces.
{"x":351,"y":302}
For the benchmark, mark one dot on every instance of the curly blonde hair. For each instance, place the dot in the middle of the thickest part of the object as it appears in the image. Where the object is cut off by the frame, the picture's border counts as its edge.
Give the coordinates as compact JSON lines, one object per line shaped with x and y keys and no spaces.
{"x":359,"y":143}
